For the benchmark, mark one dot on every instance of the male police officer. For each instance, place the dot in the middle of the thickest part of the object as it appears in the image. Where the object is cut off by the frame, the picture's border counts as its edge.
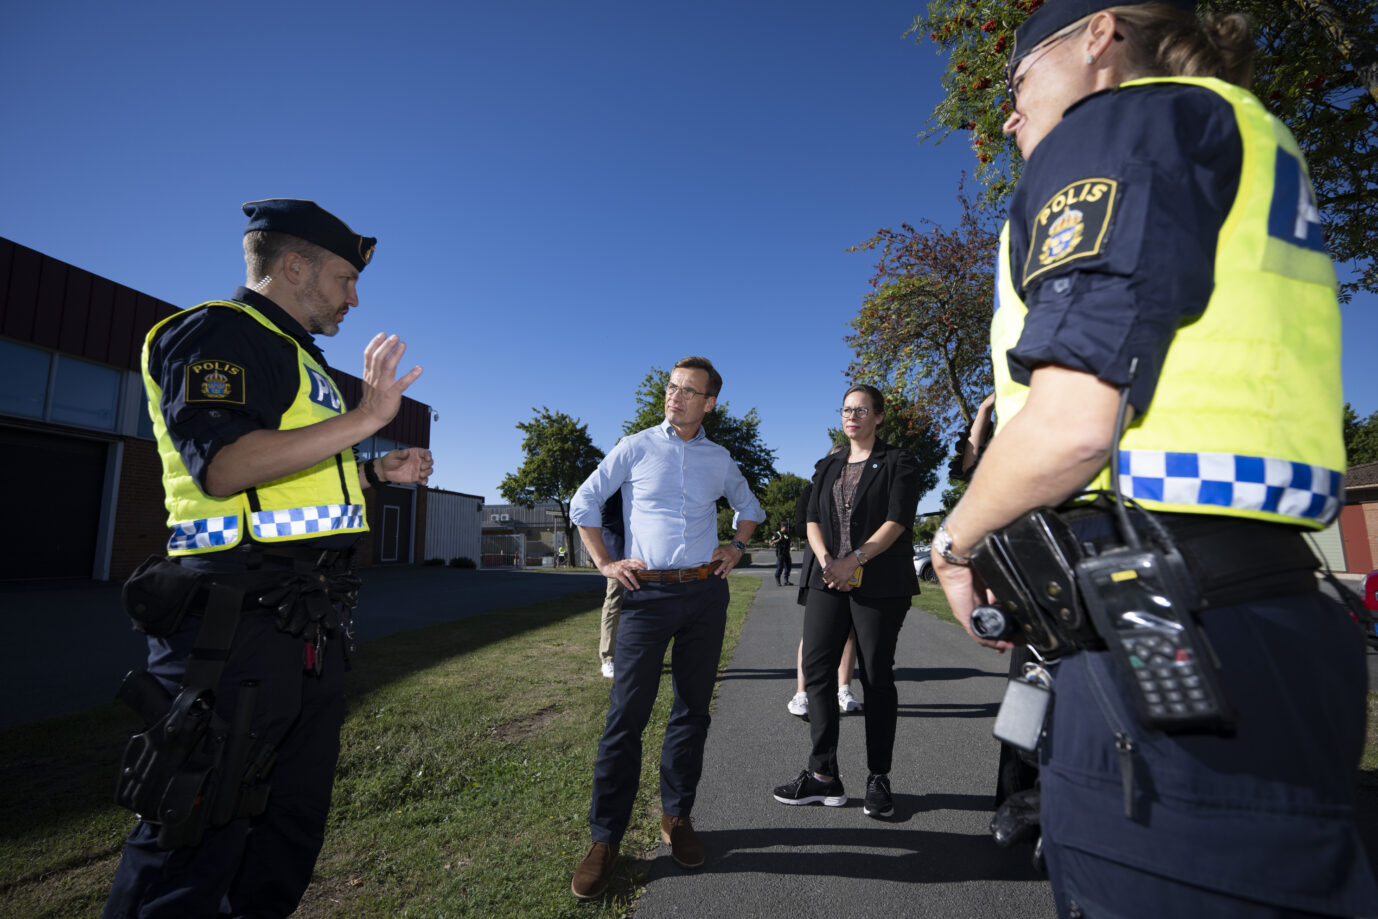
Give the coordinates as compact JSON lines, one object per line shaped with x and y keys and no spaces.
{"x":265,"y":502}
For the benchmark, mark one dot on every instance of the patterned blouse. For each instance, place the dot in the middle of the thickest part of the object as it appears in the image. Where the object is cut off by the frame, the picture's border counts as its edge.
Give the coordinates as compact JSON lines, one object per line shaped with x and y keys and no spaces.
{"x":844,"y":489}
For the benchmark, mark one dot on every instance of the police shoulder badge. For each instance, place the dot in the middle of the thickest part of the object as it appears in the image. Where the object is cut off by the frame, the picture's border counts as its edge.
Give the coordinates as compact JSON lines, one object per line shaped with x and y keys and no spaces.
{"x":1072,"y":225}
{"x":215,"y":381}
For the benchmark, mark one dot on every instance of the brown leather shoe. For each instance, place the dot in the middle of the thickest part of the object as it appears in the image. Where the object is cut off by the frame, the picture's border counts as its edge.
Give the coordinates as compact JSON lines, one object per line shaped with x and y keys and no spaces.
{"x":592,"y":875}
{"x":685,"y":847}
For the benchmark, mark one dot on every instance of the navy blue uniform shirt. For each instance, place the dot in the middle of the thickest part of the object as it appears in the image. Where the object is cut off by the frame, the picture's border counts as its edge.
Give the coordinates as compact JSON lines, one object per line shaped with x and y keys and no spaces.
{"x":270,"y":375}
{"x":1133,"y":186}
{"x":270,"y":380}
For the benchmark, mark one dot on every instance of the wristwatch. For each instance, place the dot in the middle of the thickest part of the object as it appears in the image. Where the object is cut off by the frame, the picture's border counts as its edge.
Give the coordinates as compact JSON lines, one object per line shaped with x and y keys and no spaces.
{"x":861,"y":556}
{"x":738,"y":545}
{"x":942,"y":544}
{"x":371,"y":474}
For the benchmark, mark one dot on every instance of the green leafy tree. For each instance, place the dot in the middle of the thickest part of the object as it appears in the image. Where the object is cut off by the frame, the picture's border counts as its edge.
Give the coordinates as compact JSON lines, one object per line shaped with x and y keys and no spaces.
{"x":1361,"y":437}
{"x":1317,"y":70}
{"x":559,"y":456}
{"x":740,"y":435}
{"x":922,"y":333}
{"x":779,"y":500}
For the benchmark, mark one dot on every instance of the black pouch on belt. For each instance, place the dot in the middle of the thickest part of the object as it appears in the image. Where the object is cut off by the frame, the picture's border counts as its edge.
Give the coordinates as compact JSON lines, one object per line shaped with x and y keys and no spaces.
{"x":298,"y":602}
{"x":159,"y":593}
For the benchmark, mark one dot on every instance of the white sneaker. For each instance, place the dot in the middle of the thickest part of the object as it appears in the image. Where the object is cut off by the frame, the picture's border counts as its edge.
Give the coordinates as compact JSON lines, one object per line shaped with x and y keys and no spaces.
{"x":799,"y":705}
{"x":607,"y":669}
{"x":846,"y":702}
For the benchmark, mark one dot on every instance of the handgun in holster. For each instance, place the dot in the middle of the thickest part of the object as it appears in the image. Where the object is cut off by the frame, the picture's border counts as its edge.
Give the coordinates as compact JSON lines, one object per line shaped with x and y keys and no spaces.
{"x":189,"y":770}
{"x":1030,"y":567}
{"x":166,"y":768}
{"x":1138,"y":601}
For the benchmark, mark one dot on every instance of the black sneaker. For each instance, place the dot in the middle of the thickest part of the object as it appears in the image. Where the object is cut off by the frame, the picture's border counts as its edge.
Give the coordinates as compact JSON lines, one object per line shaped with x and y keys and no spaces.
{"x":878,"y":803}
{"x":808,"y":790}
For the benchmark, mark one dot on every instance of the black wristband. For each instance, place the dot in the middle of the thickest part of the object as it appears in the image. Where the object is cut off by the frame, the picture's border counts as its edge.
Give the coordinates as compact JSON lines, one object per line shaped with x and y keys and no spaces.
{"x":371,"y":475}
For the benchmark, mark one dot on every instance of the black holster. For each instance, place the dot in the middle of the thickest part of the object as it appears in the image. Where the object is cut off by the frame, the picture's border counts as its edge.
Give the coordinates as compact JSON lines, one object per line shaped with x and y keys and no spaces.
{"x":189,"y":770}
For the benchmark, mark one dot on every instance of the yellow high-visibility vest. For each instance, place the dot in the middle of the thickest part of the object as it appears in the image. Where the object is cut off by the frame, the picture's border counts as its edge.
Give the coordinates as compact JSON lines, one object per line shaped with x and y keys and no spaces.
{"x":325,"y":498}
{"x":1247,"y":416}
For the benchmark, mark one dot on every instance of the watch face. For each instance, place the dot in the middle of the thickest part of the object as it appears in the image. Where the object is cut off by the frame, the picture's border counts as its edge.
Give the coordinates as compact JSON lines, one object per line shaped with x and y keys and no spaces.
{"x":942,"y":543}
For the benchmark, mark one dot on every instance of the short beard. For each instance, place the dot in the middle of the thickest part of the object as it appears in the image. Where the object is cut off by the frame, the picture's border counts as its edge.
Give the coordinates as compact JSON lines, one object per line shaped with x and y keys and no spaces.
{"x":320,"y":314}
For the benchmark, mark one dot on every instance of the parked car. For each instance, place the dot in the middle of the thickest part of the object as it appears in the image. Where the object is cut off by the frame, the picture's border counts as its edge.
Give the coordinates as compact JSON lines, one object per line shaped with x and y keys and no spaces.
{"x":923,"y":563}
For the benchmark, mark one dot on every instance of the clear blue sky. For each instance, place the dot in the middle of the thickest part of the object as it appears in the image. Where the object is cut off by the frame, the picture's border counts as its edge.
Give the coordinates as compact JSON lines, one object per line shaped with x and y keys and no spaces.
{"x":565,"y":194}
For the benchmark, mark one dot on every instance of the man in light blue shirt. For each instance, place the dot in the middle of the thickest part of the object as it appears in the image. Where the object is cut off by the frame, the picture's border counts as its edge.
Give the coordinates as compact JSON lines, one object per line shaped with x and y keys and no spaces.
{"x":674,"y":573}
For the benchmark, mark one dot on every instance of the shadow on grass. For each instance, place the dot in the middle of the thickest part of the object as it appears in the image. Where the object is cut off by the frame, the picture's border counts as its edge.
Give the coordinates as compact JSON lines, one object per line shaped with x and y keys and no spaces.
{"x":59,"y":774}
{"x":397,"y":656}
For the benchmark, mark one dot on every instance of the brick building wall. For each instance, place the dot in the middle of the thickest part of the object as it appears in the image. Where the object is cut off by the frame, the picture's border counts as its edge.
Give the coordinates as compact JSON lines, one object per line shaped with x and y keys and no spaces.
{"x":1371,"y":519}
{"x":66,"y":317}
{"x":140,"y":520}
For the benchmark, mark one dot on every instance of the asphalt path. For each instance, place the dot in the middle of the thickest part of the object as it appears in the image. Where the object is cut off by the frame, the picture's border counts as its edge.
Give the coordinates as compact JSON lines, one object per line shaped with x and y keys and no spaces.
{"x":934,"y":858}
{"x":70,"y":643}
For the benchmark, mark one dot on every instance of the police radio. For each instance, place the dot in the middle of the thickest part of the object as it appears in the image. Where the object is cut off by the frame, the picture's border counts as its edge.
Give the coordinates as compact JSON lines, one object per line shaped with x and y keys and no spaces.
{"x":1137,"y":600}
{"x":1142,"y":600}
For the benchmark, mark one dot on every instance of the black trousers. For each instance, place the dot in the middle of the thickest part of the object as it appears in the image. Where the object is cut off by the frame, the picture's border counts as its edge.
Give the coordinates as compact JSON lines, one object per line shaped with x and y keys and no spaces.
{"x":256,"y":866}
{"x":783,"y":563}
{"x":688,"y":620}
{"x":829,"y":615}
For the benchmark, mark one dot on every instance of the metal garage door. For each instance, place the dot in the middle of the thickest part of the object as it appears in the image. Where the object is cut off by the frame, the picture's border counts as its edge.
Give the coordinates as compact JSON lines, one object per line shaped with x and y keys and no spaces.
{"x":53,"y":503}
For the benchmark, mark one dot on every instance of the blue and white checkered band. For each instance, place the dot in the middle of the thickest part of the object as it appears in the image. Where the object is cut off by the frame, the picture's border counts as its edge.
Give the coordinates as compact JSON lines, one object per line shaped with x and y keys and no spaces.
{"x":301,"y":521}
{"x":1253,"y":483}
{"x":204,"y":534}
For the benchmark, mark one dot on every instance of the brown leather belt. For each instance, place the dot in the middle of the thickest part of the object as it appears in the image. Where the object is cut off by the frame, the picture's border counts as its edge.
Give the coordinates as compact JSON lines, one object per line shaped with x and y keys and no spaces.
{"x":674,"y":575}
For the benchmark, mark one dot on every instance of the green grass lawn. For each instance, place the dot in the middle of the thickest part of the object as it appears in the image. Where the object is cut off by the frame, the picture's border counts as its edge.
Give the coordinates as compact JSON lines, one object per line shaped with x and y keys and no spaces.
{"x":462,"y":790}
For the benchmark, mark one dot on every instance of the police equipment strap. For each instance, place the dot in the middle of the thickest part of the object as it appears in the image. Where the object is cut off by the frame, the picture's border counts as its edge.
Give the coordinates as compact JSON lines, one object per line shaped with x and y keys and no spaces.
{"x":212,"y":648}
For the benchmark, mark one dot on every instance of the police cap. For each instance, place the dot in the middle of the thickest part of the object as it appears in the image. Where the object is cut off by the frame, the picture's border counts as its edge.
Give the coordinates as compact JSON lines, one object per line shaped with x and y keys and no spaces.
{"x":309,"y":221}
{"x":1056,"y":15}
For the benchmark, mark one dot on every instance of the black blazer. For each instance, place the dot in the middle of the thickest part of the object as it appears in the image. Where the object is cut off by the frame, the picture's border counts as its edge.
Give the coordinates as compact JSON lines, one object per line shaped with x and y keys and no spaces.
{"x":888,"y":491}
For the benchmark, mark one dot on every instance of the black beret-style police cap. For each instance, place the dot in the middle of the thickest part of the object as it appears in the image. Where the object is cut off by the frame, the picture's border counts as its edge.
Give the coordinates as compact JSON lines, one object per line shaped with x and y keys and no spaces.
{"x":1056,"y":15}
{"x":309,"y":221}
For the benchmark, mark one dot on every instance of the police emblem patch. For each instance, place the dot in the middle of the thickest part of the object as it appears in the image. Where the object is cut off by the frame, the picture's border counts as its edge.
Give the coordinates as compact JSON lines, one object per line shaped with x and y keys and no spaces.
{"x":1072,"y":225}
{"x":215,"y":381}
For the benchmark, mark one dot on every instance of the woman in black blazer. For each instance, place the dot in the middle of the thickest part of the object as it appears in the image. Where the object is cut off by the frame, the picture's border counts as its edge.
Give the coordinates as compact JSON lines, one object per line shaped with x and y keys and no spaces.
{"x":861,"y":513}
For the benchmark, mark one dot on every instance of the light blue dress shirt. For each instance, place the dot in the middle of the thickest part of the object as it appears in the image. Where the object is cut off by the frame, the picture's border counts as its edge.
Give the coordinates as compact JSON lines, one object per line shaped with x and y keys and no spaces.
{"x":670,"y":490}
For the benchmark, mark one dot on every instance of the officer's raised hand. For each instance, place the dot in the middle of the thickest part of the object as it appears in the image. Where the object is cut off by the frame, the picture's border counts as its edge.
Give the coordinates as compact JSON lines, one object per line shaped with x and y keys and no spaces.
{"x":383,"y":390}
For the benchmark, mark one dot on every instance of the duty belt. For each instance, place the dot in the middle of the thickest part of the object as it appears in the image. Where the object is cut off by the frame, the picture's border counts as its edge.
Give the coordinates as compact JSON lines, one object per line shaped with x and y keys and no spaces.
{"x":1233,"y":560}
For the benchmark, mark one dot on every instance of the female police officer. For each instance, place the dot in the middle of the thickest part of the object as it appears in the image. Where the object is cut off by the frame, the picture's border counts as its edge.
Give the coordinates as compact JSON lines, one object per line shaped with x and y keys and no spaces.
{"x":1165,"y":222}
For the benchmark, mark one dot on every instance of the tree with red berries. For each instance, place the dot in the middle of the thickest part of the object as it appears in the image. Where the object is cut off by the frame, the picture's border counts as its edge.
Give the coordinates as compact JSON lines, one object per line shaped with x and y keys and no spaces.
{"x":1317,"y":70}
{"x":922,"y":331}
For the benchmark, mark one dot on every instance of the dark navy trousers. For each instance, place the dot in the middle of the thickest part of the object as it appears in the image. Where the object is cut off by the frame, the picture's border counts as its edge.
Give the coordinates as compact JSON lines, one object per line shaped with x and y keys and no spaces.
{"x":690,"y":616}
{"x":785,"y":564}
{"x":1256,"y":824}
{"x":257,"y":867}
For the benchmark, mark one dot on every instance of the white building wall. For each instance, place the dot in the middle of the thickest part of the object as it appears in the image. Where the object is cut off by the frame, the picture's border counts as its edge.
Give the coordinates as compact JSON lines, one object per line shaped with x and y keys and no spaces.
{"x":453,"y":523}
{"x":1331,"y":547}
